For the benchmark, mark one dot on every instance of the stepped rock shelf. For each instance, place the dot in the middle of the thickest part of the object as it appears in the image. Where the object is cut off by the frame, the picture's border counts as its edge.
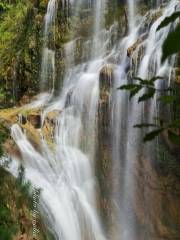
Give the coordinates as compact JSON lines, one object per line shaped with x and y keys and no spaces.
{"x":30,"y":122}
{"x":72,"y":166}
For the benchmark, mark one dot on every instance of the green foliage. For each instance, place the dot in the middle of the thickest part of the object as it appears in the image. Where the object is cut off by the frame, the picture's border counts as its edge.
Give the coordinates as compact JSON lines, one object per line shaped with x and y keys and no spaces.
{"x":2,"y":94}
{"x":16,"y":205}
{"x":3,"y":7}
{"x":147,"y":85}
{"x":7,"y":233}
{"x":25,"y":187}
{"x":168,"y":20}
{"x":11,"y":27}
{"x":8,"y":225}
{"x":142,"y":125}
{"x":15,"y":198}
{"x":151,"y":135}
{"x":171,"y":44}
{"x":149,"y":92}
{"x":3,"y":136}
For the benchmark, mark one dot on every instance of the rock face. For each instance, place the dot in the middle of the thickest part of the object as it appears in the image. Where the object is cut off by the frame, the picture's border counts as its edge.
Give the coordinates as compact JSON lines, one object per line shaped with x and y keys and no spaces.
{"x":104,"y":137}
{"x":30,"y":121}
{"x":176,"y":70}
{"x":21,"y":41}
{"x":157,"y":193}
{"x":132,"y":48}
{"x":106,"y":77}
{"x":35,"y":120}
{"x":156,"y":202}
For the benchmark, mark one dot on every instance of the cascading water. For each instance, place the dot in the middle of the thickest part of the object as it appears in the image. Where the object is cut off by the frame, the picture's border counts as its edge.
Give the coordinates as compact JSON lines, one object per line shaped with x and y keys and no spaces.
{"x":66,"y":175}
{"x":48,"y":54}
{"x":127,"y":147}
{"x":99,"y":8}
{"x":132,"y":14}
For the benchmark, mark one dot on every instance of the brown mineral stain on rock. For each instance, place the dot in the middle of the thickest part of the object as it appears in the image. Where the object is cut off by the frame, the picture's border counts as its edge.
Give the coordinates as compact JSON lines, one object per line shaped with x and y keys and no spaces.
{"x":30,"y":120}
{"x":35,"y":120}
{"x":106,"y":76}
{"x":156,"y":202}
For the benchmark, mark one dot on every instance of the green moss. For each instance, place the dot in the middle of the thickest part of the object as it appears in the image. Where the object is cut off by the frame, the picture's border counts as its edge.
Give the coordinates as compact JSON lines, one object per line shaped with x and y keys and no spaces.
{"x":11,"y":26}
{"x":16,"y":206}
{"x":4,"y":7}
{"x":3,"y":136}
{"x":8,"y":222}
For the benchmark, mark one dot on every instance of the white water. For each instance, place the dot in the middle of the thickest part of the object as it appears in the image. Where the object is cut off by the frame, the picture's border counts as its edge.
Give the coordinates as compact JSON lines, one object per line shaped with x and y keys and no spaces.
{"x":132,"y":14}
{"x":66,"y":175}
{"x":48,"y":54}
{"x":127,"y":146}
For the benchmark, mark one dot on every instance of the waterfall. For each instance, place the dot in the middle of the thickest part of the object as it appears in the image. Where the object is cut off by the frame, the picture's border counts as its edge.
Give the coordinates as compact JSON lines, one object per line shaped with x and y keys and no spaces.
{"x":128,"y":149}
{"x":65,"y":172}
{"x":66,"y":175}
{"x":48,"y":54}
{"x":132,"y":14}
{"x":99,"y":8}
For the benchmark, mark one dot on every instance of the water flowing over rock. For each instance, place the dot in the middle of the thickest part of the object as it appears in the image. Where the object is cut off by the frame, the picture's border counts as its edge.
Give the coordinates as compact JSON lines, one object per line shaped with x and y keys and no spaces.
{"x":77,"y":143}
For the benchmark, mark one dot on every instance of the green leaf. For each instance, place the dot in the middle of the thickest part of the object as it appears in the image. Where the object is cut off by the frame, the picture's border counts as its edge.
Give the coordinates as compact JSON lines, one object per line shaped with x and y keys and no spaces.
{"x":148,"y":95}
{"x":143,"y":81}
{"x":135,"y":91}
{"x":128,"y":86}
{"x":147,"y":82}
{"x":151,"y":135}
{"x":156,"y":78}
{"x":145,"y":125}
{"x":168,"y":20}
{"x":174,"y":138}
{"x":171,"y":44}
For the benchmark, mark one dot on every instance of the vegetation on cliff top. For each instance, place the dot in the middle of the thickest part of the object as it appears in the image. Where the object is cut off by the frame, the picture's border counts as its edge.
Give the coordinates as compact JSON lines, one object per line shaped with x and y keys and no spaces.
{"x":20,"y":48}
